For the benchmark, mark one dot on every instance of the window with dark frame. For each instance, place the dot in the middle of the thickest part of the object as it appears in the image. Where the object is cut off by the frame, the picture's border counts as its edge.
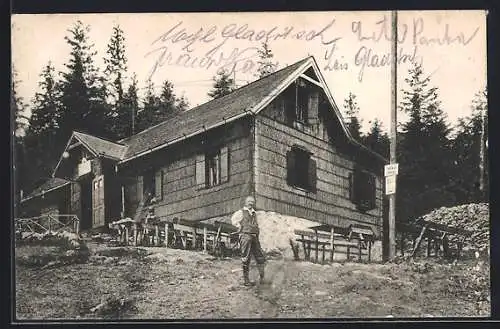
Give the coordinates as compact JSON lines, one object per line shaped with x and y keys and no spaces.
{"x":212,"y":168}
{"x":301,"y":169}
{"x":362,"y":189}
{"x":148,"y":181}
{"x":301,"y":103}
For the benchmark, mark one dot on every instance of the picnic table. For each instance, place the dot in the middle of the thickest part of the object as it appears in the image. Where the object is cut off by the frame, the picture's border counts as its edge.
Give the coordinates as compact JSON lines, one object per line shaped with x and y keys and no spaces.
{"x":177,"y":232}
{"x":328,"y":239}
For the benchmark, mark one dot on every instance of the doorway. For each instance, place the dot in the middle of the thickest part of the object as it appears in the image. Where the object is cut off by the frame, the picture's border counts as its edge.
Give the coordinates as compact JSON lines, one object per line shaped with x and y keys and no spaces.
{"x":86,"y":197}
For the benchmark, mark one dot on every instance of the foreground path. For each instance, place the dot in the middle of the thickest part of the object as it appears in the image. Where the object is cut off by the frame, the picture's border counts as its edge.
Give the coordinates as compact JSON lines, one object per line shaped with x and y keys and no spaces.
{"x":160,"y":283}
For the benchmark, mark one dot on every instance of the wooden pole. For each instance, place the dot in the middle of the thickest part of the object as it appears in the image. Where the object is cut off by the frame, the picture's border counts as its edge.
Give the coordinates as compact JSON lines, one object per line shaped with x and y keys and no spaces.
{"x":135,"y":233}
{"x":204,"y":239}
{"x":316,"y":249}
{"x":429,"y":243}
{"x":194,"y":238}
{"x":392,"y":197}
{"x":157,"y":235}
{"x":166,"y":235}
{"x":332,"y":244}
{"x":370,"y":251}
{"x":418,"y":241}
{"x":403,"y":244}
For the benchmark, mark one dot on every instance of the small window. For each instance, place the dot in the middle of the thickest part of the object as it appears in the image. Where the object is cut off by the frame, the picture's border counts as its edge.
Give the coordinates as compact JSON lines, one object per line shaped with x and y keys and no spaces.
{"x":362,"y":189}
{"x":212,"y":168}
{"x":302,"y":102}
{"x":148,"y":184}
{"x":159,"y":183}
{"x":301,"y":169}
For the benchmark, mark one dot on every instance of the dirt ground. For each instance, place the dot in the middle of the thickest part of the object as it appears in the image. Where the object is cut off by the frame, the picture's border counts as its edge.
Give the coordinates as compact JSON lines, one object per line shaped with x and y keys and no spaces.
{"x":160,"y":283}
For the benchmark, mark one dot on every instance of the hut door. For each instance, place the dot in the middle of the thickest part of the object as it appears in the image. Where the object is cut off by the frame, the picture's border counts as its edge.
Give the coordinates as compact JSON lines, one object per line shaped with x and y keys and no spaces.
{"x":75,"y":199}
{"x":98,"y":201}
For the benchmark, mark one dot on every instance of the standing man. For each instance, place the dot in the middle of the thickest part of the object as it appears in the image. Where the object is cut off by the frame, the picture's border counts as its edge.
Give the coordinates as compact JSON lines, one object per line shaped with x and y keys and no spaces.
{"x":248,"y":229}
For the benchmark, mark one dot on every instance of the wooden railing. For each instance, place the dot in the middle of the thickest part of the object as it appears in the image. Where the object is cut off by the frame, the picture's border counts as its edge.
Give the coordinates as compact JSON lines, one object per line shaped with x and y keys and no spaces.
{"x":26,"y":227}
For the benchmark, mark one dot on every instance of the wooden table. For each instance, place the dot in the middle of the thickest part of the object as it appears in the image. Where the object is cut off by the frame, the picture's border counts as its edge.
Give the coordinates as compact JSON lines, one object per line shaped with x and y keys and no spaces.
{"x":327,"y":238}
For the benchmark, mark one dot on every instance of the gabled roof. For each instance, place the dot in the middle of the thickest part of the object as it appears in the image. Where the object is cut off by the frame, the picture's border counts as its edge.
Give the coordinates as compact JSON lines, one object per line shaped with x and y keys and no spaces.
{"x":247,"y":100}
{"x":101,"y":146}
{"x":50,"y":185}
{"x":97,"y":146}
{"x":243,"y":101}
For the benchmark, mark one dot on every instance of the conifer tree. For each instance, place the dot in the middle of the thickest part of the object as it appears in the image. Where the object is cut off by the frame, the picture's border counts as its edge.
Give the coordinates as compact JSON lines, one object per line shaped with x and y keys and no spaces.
{"x":223,"y":84}
{"x":424,"y":150}
{"x":44,"y":129}
{"x":83,"y":90}
{"x":265,"y":63}
{"x":116,"y":66}
{"x":18,"y":134}
{"x":146,"y":116}
{"x":352,"y":114}
{"x":467,"y":152}
{"x":130,"y":108}
{"x":158,"y":108}
{"x":377,"y":139}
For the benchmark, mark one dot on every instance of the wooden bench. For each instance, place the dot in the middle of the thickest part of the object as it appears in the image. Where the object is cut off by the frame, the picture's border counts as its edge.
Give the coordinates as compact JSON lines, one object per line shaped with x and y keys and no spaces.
{"x":331,"y":242}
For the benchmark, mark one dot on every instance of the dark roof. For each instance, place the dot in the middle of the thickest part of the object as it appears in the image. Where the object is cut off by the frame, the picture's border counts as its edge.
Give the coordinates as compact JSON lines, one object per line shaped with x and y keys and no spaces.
{"x":51,"y":184}
{"x":102,"y":146}
{"x":207,"y":114}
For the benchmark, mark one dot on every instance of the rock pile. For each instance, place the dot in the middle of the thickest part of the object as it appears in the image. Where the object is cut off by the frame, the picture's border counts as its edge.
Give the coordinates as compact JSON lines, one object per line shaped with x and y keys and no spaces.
{"x":276,"y":230}
{"x":473,"y":217}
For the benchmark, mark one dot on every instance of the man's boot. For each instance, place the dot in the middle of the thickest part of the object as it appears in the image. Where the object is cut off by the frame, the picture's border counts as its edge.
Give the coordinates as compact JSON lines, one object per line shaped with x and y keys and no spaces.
{"x":246,"y":278}
{"x":261,"y":272}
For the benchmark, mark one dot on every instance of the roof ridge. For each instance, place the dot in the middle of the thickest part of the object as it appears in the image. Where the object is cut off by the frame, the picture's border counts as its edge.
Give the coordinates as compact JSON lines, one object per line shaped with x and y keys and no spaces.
{"x":99,"y":137}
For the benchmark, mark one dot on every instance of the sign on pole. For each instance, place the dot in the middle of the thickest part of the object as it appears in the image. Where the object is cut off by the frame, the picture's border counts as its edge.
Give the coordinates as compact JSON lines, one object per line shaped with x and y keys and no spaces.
{"x":391,"y":169}
{"x":390,"y":184}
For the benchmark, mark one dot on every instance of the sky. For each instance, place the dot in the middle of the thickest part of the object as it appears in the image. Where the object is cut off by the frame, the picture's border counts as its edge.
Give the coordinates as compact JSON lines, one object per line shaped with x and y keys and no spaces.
{"x":351,"y":48}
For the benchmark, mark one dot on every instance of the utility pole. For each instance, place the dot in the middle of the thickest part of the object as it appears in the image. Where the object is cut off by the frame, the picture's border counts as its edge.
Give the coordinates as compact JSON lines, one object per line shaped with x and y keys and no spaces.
{"x":394,"y":99}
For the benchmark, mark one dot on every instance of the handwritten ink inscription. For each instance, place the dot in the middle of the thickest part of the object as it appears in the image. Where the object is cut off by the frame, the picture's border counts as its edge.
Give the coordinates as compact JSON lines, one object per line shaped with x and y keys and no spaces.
{"x":180,"y":45}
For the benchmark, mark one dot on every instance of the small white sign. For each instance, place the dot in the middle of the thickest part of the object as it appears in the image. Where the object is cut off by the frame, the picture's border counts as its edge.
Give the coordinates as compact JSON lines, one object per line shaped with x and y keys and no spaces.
{"x":391,"y":169}
{"x":390,"y":185}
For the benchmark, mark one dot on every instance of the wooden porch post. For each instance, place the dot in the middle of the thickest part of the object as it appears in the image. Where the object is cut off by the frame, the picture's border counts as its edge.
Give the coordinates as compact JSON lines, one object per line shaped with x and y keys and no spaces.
{"x":204,"y":239}
{"x":332,"y":244}
{"x":166,"y":234}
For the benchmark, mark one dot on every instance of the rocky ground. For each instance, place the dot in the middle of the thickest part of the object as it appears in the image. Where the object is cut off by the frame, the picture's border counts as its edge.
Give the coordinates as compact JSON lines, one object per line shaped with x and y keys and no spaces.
{"x":160,"y":283}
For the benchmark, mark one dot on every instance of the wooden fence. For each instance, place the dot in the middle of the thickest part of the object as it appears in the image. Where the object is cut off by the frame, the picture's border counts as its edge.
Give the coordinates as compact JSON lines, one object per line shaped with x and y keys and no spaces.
{"x":177,"y":233}
{"x":26,"y":227}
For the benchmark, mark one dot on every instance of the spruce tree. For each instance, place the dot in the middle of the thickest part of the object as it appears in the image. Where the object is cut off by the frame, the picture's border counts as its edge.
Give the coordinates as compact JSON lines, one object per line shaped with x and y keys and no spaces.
{"x":83,"y":90}
{"x":130,"y":108}
{"x":18,"y":108}
{"x":265,"y":63}
{"x":467,"y":150}
{"x":146,"y":116}
{"x":223,"y":84}
{"x":352,"y":114}
{"x":424,"y":150}
{"x":158,"y":108}
{"x":18,"y":134}
{"x":44,"y":129}
{"x":116,"y":66}
{"x":377,"y":139}
{"x":182,"y":103}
